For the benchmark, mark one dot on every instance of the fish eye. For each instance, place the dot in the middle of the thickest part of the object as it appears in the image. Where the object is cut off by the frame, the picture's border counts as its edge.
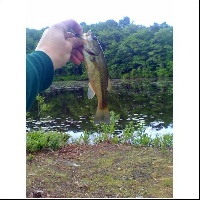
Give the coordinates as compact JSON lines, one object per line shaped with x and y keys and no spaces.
{"x":93,"y":37}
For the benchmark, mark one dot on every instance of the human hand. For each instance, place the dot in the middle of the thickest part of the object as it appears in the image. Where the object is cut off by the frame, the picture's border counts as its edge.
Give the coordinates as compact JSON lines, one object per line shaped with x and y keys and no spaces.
{"x":61,"y":45}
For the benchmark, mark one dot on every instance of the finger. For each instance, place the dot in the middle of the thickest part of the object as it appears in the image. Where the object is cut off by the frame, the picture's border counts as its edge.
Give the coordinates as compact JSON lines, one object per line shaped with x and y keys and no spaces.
{"x":77,"y":53}
{"x":71,"y":24}
{"x":69,"y":35}
{"x":75,"y":60}
{"x":76,"y":57}
{"x":75,"y":42}
{"x":80,"y":49}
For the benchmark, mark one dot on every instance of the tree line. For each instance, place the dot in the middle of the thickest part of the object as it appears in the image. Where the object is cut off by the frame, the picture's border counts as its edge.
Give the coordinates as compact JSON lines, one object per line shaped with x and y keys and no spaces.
{"x":130,"y":50}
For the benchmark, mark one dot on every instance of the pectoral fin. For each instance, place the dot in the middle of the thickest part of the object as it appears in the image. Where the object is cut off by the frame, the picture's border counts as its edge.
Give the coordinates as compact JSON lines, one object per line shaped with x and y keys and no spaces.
{"x":91,"y":92}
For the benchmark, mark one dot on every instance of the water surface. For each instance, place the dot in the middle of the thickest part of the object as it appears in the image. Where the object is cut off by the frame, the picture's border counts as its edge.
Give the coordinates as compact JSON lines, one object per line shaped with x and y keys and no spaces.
{"x":147,"y":100}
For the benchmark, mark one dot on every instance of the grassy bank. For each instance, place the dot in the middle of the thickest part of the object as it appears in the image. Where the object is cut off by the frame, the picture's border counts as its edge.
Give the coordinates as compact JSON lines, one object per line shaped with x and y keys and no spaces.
{"x":133,"y":165}
{"x":103,"y":170}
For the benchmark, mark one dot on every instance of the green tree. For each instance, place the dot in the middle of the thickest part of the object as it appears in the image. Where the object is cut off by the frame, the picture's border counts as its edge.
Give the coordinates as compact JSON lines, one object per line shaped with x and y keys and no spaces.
{"x":124,"y":22}
{"x":130,"y":50}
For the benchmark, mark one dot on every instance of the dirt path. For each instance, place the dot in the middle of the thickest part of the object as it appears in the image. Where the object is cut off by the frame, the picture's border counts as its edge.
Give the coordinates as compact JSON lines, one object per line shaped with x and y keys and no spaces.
{"x":101,"y":171}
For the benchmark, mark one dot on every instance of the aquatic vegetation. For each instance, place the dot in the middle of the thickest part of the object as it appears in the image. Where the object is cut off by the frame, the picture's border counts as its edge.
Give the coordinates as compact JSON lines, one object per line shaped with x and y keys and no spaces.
{"x":85,"y":137}
{"x":131,"y":134}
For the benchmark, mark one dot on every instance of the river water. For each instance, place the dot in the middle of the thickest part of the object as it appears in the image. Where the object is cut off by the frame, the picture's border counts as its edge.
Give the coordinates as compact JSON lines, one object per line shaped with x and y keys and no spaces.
{"x":69,"y":109}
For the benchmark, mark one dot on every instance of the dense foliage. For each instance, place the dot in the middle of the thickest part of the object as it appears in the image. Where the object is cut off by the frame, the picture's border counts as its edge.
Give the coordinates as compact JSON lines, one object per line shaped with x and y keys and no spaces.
{"x":131,"y":50}
{"x":39,"y":140}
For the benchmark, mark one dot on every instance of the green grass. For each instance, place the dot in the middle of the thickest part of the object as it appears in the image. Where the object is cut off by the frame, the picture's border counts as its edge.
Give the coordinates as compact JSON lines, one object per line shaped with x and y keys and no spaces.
{"x":40,"y":140}
{"x":105,"y":170}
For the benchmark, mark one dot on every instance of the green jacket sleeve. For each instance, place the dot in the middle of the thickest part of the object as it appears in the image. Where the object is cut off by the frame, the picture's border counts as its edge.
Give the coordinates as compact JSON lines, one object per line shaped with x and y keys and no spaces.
{"x":39,"y":75}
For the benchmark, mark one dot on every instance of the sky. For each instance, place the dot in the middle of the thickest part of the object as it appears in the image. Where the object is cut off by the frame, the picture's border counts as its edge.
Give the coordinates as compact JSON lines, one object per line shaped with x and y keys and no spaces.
{"x":16,"y":15}
{"x":144,"y":12}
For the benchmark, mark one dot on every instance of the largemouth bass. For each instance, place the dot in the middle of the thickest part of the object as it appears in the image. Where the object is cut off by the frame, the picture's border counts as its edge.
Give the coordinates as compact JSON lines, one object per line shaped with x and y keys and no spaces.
{"x":99,"y":82}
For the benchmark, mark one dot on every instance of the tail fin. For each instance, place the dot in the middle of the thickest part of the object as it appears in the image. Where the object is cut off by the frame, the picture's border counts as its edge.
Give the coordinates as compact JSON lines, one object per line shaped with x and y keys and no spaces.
{"x":102,"y":116}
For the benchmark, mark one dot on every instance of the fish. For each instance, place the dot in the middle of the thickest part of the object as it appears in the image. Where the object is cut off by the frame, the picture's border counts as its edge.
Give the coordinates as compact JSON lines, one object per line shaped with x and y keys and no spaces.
{"x":97,"y":71}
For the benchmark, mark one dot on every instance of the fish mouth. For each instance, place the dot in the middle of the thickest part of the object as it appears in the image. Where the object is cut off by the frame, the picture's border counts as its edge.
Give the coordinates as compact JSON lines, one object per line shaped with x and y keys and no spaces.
{"x":90,"y":52}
